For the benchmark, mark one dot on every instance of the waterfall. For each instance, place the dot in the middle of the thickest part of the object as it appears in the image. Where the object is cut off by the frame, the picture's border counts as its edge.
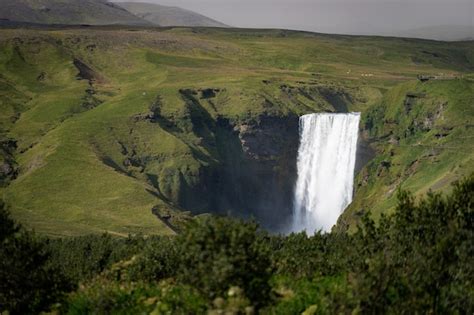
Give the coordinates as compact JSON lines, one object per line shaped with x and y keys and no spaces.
{"x":326,"y":161}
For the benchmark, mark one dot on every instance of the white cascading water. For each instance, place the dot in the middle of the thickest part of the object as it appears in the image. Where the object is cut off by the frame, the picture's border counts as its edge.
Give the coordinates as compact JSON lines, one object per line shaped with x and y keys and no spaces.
{"x":326,"y":162}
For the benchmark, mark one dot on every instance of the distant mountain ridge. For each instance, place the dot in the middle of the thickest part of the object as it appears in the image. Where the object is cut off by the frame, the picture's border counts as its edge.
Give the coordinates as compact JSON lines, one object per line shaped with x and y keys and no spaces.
{"x":72,"y":12}
{"x":169,"y":16}
{"x":98,"y":12}
{"x":442,"y":32}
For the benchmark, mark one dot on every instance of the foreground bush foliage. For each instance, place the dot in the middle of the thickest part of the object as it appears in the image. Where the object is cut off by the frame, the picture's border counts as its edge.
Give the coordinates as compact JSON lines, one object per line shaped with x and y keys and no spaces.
{"x":82,"y":258}
{"x":219,"y":253}
{"x":418,"y":260}
{"x":28,"y":281}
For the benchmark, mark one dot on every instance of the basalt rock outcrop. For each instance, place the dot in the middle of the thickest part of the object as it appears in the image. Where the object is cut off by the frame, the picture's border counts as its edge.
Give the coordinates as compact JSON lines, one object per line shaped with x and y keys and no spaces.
{"x":8,"y":165}
{"x":259,"y":172}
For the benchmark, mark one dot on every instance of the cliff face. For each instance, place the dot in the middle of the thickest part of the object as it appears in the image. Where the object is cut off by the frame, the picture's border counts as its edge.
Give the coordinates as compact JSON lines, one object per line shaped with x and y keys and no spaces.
{"x":258,"y":169}
{"x":242,"y":167}
{"x":250,"y":172}
{"x":8,"y":165}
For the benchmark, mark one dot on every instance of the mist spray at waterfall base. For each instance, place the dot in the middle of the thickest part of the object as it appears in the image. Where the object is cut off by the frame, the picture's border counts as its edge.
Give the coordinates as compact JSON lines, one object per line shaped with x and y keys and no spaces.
{"x":326,"y":162}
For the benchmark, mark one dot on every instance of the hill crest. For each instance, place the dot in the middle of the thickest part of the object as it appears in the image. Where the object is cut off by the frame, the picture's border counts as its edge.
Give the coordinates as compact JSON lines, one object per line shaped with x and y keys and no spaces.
{"x":169,"y":15}
{"x":71,"y":12}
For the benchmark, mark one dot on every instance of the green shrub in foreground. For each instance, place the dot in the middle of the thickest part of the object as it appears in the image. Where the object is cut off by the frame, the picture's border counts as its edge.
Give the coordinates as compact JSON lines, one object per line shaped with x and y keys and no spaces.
{"x":159,"y":259}
{"x":420,"y":260}
{"x":219,"y":253}
{"x":82,"y":258}
{"x":102,"y":296}
{"x":302,"y":256}
{"x":320,"y":295}
{"x":28,"y":283}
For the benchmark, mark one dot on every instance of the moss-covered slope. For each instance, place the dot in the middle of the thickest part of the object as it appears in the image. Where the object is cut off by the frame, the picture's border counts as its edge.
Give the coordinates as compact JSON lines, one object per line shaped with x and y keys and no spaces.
{"x":424,"y":136}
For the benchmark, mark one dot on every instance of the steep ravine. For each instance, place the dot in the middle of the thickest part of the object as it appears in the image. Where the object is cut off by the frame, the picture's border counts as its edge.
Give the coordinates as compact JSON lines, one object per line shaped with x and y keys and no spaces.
{"x":253,"y":169}
{"x":250,"y":174}
{"x":267,"y":173}
{"x":250,"y":170}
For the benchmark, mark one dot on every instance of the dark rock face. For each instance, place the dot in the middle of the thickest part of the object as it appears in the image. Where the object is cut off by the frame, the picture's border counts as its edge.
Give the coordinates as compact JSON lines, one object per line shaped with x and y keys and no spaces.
{"x":365,"y":153}
{"x":338,"y":99}
{"x":255,"y":173}
{"x":8,"y":167}
{"x":251,"y":169}
{"x":262,"y":180}
{"x":259,"y":170}
{"x":86,"y":72}
{"x":267,"y":138}
{"x":6,"y":170}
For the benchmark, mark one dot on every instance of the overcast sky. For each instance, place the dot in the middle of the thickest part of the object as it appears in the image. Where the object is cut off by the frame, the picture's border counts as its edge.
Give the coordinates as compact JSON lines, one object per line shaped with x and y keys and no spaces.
{"x":334,"y":16}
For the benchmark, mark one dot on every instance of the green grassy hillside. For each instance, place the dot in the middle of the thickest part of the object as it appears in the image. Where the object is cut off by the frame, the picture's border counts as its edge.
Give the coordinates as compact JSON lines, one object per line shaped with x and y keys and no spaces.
{"x":424,"y":135}
{"x":93,"y":12}
{"x":99,"y":126}
{"x":168,"y":16}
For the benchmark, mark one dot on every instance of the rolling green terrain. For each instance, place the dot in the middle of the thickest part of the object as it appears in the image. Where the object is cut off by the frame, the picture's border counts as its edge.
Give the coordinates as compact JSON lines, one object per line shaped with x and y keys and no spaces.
{"x":168,"y":16}
{"x":101,"y":125}
{"x":70,"y":12}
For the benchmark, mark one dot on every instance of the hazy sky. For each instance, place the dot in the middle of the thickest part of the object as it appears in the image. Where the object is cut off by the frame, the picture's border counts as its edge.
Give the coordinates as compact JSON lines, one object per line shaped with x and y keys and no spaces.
{"x":334,"y":16}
